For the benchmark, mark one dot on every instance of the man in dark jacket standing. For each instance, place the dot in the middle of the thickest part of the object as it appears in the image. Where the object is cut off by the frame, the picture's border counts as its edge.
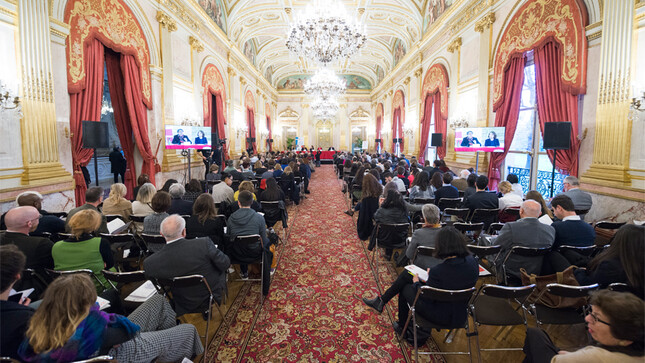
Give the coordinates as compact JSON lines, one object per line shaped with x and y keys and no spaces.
{"x":244,"y":222}
{"x":118,"y":165}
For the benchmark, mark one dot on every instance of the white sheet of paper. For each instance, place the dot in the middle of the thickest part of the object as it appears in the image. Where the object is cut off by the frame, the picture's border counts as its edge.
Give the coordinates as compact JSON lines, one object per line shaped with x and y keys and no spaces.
{"x":483,"y":271}
{"x":142,"y":293}
{"x":103,"y":303}
{"x":115,"y":224}
{"x":25,"y":293}
{"x":546,"y":220}
{"x":416,"y":270}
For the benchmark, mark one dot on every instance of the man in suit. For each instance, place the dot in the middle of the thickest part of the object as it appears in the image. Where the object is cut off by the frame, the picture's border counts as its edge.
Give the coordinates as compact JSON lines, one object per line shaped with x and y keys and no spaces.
{"x":38,"y":250}
{"x":48,"y":223}
{"x":528,"y":232}
{"x":447,"y":190}
{"x":470,"y":140}
{"x":461,"y":183}
{"x":581,"y":200}
{"x":118,"y":164}
{"x":93,"y":198}
{"x":180,"y":138}
{"x":482,"y":199}
{"x":182,"y":257}
{"x":178,"y":205}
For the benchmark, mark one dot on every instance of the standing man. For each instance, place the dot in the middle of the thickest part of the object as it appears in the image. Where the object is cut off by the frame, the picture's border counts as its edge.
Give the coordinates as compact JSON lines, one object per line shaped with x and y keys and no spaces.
{"x":118,"y":164}
{"x":318,"y":153}
{"x":206,"y":159}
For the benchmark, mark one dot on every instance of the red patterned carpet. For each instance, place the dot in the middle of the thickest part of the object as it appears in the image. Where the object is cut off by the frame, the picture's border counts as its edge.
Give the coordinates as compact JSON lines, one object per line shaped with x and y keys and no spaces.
{"x":314,"y":311}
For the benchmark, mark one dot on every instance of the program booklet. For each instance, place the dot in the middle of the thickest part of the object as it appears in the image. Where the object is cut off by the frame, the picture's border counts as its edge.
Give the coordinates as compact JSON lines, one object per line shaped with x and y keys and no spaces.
{"x":416,"y":270}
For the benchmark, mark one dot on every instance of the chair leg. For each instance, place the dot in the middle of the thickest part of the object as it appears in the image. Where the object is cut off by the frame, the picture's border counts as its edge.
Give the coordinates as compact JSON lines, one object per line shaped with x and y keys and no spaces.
{"x":414,"y":333}
{"x":479,"y":352}
{"x":470,"y":348}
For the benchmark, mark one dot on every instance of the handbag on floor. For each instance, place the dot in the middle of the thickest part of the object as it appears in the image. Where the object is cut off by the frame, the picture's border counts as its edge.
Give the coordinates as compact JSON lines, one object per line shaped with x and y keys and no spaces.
{"x":565,"y":277}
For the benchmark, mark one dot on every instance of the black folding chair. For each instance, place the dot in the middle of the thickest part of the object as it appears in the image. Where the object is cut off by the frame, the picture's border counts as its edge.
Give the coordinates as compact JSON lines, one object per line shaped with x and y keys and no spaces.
{"x":119,"y":243}
{"x":448,"y":203}
{"x":61,"y":215}
{"x":189,"y":281}
{"x":246,"y":244}
{"x":487,"y":216}
{"x":619,"y":287}
{"x":582,"y":250}
{"x":153,"y":242}
{"x":111,"y":217}
{"x":137,"y":219}
{"x":482,"y":252}
{"x":525,"y":252}
{"x":562,"y":316}
{"x":124,"y":277}
{"x":423,"y":201}
{"x":469,"y":229}
{"x":273,"y":214}
{"x":99,"y":359}
{"x":388,"y":236}
{"x":608,"y":225}
{"x":36,"y":279}
{"x":448,"y":296}
{"x":460,"y":213}
{"x":54,"y":274}
{"x":491,"y":306}
{"x":423,"y":251}
{"x":494,"y":228}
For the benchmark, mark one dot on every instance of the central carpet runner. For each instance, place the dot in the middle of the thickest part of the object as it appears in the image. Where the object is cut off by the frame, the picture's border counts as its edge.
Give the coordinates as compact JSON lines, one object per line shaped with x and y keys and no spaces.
{"x":314,"y":311}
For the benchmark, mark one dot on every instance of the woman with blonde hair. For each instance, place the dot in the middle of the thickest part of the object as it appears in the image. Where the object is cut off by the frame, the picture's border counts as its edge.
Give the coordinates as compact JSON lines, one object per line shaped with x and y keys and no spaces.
{"x":245,"y":185}
{"x":142,"y":206}
{"x":82,"y":250}
{"x":68,"y":326}
{"x":116,"y":204}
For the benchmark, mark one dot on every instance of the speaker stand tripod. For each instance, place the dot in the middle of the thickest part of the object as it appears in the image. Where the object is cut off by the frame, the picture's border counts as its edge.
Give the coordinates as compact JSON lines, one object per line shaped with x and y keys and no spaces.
{"x":186,"y":153}
{"x":553,"y":173}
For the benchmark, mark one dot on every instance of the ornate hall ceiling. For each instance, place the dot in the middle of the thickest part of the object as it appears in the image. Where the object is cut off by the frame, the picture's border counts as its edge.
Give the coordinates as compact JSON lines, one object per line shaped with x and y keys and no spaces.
{"x":259,"y":28}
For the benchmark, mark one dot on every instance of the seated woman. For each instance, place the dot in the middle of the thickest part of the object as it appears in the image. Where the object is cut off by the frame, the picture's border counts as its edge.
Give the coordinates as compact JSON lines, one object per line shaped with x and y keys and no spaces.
{"x":367,"y":206}
{"x":425,"y":236}
{"x":277,"y":170}
{"x":203,"y":222}
{"x":142,"y":179}
{"x":622,"y":262}
{"x":68,"y":326}
{"x":391,"y":211}
{"x":458,"y":271}
{"x":82,"y":250}
{"x":259,"y":168}
{"x":288,"y":185}
{"x":616,"y":325}
{"x":160,"y":204}
{"x":272,"y":192}
{"x":245,"y":186}
{"x":509,"y":199}
{"x":142,"y":206}
{"x":167,"y":184}
{"x":116,"y":204}
{"x":214,"y":173}
{"x":421,"y":187}
{"x":536,"y":196}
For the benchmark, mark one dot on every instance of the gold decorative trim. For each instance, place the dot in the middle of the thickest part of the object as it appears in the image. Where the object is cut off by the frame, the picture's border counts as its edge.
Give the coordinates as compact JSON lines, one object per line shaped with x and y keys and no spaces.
{"x":594,"y":36}
{"x":466,"y":16}
{"x":406,"y":81}
{"x":166,"y":21}
{"x":4,"y":10}
{"x":418,"y":72}
{"x":195,"y":44}
{"x":455,"y":45}
{"x":485,"y":22}
{"x":53,"y":20}
{"x":181,"y":13}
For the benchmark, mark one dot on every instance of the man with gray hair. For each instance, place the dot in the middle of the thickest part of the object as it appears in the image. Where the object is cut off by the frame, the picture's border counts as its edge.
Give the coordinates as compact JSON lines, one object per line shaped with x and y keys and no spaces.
{"x":178,"y":205}
{"x":528,"y":232}
{"x":182,"y":257}
{"x":425,"y":236}
{"x":461,"y":183}
{"x":48,"y":223}
{"x":571,"y":188}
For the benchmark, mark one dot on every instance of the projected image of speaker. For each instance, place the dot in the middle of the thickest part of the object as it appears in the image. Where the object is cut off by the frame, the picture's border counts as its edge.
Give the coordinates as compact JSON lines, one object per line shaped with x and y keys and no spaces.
{"x":435,"y":140}
{"x":557,"y":135}
{"x":95,"y":135}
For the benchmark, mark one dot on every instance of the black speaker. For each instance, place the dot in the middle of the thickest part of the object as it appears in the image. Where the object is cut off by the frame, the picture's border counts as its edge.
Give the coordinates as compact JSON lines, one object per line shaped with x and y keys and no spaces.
{"x":557,"y":135}
{"x":435,"y":140}
{"x":95,"y":135}
{"x":377,"y":140}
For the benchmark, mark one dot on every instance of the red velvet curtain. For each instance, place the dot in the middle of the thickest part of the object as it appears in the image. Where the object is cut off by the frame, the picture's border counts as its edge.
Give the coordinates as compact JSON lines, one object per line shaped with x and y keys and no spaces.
{"x":425,"y":126}
{"x":506,"y":114}
{"x":123,"y":126}
{"x":397,"y":123}
{"x":379,"y":121}
{"x":138,"y":115}
{"x":555,"y":104}
{"x":216,"y":114}
{"x":250,"y":118}
{"x":440,"y":125}
{"x":86,"y":105}
{"x":270,"y":133}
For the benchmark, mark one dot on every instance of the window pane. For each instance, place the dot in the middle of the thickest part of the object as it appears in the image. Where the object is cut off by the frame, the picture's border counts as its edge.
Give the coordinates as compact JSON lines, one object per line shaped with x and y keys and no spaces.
{"x":544,"y":177}
{"x":523,"y":139}
{"x":528,"y":88}
{"x":520,"y":165}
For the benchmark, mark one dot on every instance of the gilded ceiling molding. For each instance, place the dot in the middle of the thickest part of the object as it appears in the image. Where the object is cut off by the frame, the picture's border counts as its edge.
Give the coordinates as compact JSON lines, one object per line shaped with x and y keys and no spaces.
{"x":455,"y":45}
{"x":242,"y":80}
{"x":485,"y":22}
{"x":180,"y":11}
{"x":113,"y":23}
{"x":406,"y":81}
{"x":166,"y":21}
{"x":212,"y":83}
{"x":435,"y":80}
{"x":535,"y":23}
{"x":195,"y":44}
{"x":418,"y":72}
{"x":359,"y":113}
{"x":289,"y":113}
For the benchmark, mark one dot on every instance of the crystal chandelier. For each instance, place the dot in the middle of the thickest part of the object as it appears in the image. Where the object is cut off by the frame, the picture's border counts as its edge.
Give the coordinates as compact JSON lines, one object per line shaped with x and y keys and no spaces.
{"x":325,"y":84}
{"x":324,"y":33}
{"x":325,"y":107}
{"x":8,"y":100}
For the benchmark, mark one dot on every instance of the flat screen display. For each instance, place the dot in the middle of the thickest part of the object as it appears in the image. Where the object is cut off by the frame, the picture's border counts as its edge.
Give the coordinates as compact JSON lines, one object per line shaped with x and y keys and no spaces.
{"x":472,"y":139}
{"x":188,"y":137}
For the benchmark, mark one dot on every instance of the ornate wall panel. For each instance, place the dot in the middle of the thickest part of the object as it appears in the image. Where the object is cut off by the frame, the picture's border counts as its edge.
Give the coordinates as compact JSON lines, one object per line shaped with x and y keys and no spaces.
{"x":435,"y":80}
{"x":114,"y":24}
{"x":537,"y":22}
{"x":213,"y":82}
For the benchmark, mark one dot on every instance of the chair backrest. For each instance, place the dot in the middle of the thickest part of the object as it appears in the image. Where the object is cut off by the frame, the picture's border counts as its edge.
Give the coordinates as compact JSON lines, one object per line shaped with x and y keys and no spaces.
{"x":33,"y":275}
{"x":460,"y":213}
{"x":513,"y":211}
{"x":54,"y":273}
{"x":111,"y":217}
{"x":569,"y":290}
{"x":99,"y":359}
{"x":185,"y":281}
{"x":583,"y":250}
{"x":425,"y":251}
{"x":495,"y":227}
{"x":468,"y":227}
{"x":506,"y":292}
{"x":422,"y":201}
{"x":619,"y":287}
{"x":137,"y":219}
{"x":529,"y":251}
{"x":581,"y":212}
{"x":462,"y":193}
{"x":62,"y":235}
{"x":449,"y":203}
{"x":447,"y":295}
{"x":483,"y":251}
{"x":59,"y":214}
{"x":153,"y":238}
{"x":249,"y":239}
{"x":483,"y":214}
{"x":125,"y":277}
{"x":392,"y":234}
{"x":118,"y":238}
{"x":608,"y":225}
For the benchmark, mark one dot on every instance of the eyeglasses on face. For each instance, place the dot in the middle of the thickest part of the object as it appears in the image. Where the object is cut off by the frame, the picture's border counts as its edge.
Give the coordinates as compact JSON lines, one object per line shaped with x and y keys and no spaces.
{"x":596,"y":319}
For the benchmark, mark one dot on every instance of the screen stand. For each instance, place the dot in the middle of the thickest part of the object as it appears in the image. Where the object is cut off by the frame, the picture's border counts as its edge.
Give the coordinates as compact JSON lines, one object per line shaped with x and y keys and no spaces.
{"x":96,"y":168}
{"x":477,"y":163}
{"x":553,"y":174}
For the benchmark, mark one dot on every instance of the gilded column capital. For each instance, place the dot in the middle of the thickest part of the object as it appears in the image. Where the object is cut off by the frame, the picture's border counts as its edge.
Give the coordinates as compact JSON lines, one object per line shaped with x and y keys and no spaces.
{"x":195,"y":44}
{"x":231,"y":71}
{"x":418,"y":72}
{"x":485,"y":22}
{"x":406,"y":81}
{"x":257,"y":91}
{"x":455,"y":45}
{"x":242,"y":80}
{"x":390,"y":93}
{"x":166,"y":21}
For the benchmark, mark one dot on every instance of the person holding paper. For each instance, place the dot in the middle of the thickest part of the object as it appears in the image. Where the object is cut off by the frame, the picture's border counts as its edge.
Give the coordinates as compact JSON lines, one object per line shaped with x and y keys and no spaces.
{"x":458,"y":271}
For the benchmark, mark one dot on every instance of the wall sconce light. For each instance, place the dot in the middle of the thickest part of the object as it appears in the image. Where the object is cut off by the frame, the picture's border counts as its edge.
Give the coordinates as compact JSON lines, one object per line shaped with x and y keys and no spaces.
{"x":638,"y":102}
{"x":8,"y":99}
{"x":264,"y":133}
{"x":460,"y":121}
{"x":408,"y":129}
{"x":241,"y":129}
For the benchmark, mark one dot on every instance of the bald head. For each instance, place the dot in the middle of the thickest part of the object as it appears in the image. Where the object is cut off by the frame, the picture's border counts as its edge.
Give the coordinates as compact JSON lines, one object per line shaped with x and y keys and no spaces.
{"x":530,"y":208}
{"x":173,"y":227}
{"x":22,"y":219}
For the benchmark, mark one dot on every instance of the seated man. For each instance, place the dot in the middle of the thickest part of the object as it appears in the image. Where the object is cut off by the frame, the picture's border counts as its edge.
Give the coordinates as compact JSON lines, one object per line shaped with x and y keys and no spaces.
{"x":15,"y":315}
{"x":447,"y":190}
{"x":182,"y":257}
{"x":581,"y":200}
{"x":38,"y":250}
{"x":48,"y":223}
{"x":400,"y":186}
{"x":528,"y":232}
{"x":93,"y":198}
{"x":460,"y":183}
{"x":178,"y":205}
{"x":223,"y":191}
{"x":244,"y":222}
{"x":482,"y":199}
{"x":570,"y":230}
{"x":400,"y":174}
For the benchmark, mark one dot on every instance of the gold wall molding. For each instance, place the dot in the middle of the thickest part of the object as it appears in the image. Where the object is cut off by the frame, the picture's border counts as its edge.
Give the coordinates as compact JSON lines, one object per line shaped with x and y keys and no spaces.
{"x":455,"y":45}
{"x":195,"y":44}
{"x":166,"y":21}
{"x":594,"y":36}
{"x":485,"y":22}
{"x":181,"y":12}
{"x":471,"y":12}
